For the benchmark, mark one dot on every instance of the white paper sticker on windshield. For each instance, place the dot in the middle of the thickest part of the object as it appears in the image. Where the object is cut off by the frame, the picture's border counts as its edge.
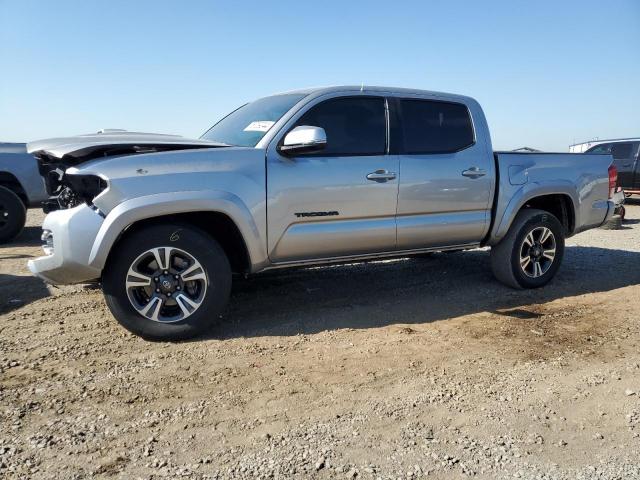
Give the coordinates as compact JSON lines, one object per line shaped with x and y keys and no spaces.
{"x":259,"y":126}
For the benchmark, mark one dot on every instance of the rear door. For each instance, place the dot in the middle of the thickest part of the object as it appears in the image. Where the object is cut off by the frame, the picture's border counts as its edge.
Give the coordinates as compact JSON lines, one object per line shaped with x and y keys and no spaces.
{"x":342,"y":200}
{"x":446,"y":176}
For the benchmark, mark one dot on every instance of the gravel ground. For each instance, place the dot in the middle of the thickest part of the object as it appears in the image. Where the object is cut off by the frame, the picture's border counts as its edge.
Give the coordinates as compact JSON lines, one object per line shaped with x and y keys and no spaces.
{"x":401,"y":369}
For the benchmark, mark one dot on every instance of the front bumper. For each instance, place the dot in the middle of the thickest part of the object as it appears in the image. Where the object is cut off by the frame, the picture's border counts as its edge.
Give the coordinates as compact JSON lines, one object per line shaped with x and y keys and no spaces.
{"x":74,"y":232}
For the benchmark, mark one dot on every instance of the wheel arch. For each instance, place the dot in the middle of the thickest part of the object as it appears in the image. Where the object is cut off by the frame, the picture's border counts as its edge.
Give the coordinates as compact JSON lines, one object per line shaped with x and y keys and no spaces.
{"x":217,"y":224}
{"x":220,"y":214}
{"x":558,"y":204}
{"x":559,"y":200}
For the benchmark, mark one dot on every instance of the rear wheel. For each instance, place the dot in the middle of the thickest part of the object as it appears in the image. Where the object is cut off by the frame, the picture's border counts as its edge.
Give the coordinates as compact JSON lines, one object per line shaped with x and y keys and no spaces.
{"x":13,"y":215}
{"x":531,"y":253}
{"x":167,"y":282}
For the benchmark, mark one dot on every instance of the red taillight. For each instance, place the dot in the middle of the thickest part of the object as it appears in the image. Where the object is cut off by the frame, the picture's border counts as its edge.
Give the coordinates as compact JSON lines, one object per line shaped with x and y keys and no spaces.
{"x":613,"y":180}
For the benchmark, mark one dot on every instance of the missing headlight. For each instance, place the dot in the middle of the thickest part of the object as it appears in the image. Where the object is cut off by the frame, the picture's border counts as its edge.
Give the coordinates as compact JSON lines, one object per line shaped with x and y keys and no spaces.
{"x":80,"y":188}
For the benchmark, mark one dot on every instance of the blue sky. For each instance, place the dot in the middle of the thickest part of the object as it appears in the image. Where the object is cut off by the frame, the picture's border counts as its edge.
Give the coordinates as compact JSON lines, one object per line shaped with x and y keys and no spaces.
{"x":546,"y":72}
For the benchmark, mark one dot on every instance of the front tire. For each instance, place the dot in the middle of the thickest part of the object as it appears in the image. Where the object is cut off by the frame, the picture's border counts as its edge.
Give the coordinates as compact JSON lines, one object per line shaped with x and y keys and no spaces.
{"x":167,"y":282}
{"x":531,"y":253}
{"x":13,"y":215}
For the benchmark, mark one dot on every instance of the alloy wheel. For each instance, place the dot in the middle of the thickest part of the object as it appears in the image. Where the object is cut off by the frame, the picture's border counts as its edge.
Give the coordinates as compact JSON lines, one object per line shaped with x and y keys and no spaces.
{"x":166,"y":284}
{"x":537,"y":252}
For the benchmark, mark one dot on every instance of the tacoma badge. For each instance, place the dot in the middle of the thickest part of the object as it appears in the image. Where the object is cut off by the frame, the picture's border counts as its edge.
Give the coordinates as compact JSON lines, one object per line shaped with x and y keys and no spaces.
{"x":316,"y":214}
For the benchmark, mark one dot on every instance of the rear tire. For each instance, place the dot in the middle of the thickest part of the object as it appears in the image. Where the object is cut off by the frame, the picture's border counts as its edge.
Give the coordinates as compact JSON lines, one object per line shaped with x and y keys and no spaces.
{"x":13,"y":215}
{"x":531,"y":252}
{"x":189,"y":282}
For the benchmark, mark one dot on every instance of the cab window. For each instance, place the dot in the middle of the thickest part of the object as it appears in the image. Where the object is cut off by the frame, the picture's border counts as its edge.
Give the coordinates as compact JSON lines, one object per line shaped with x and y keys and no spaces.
{"x":434,"y":127}
{"x":354,"y":126}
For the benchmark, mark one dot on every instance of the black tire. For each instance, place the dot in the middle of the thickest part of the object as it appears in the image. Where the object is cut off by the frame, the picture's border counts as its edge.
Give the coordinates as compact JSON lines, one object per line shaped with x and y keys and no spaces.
{"x":506,"y":255}
{"x":13,"y":215}
{"x":189,"y":239}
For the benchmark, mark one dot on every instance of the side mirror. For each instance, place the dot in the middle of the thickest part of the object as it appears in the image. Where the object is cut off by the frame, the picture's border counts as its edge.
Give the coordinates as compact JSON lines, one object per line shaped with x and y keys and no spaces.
{"x":303,"y":139}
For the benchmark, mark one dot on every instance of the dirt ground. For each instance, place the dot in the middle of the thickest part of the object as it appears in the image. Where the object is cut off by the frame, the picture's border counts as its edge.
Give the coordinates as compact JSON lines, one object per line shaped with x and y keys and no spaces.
{"x":410,"y":368}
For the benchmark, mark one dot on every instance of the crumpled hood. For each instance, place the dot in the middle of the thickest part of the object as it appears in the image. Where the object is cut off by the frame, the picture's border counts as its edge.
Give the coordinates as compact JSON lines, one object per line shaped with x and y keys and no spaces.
{"x":225,"y":169}
{"x":56,"y":155}
{"x":96,"y":144}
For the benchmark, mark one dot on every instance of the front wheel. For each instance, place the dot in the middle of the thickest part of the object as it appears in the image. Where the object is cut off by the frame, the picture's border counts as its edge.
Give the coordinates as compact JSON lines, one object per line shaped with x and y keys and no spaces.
{"x":167,"y":282}
{"x":531,"y":253}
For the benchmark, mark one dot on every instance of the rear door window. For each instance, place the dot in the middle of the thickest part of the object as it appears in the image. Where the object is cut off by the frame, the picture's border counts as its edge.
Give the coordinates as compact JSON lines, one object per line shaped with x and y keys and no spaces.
{"x":434,"y":127}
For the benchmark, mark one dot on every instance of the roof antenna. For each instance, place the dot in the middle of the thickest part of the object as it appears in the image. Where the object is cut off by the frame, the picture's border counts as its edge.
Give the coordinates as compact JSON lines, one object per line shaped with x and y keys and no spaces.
{"x":362,"y":87}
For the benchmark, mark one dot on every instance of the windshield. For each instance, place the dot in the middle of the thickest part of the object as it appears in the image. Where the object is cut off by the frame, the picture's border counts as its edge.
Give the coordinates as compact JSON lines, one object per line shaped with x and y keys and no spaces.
{"x":245,"y":126}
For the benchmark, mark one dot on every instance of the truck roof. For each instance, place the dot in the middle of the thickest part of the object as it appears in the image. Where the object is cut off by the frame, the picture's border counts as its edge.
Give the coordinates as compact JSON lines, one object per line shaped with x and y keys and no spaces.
{"x":373,"y":89}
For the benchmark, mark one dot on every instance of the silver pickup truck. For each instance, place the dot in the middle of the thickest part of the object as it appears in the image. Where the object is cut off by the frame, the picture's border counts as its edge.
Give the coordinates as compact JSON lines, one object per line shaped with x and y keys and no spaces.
{"x":21,"y":187}
{"x":302,"y":178}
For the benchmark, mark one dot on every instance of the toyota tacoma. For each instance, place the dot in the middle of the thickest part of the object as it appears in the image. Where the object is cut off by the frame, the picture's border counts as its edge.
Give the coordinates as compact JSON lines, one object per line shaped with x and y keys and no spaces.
{"x":303,"y":178}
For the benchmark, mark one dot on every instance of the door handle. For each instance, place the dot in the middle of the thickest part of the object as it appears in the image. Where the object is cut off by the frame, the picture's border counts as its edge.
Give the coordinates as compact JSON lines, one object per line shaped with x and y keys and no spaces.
{"x":474,"y":172}
{"x":381,"y":176}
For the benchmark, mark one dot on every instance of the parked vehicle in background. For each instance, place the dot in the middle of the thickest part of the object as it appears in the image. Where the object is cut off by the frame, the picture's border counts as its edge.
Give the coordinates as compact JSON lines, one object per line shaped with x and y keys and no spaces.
{"x":21,"y":187}
{"x":308,"y":177}
{"x":625,"y":152}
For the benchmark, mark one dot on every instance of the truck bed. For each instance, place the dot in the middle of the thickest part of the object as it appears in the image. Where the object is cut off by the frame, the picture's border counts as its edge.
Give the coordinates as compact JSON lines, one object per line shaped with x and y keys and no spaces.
{"x":582,"y":178}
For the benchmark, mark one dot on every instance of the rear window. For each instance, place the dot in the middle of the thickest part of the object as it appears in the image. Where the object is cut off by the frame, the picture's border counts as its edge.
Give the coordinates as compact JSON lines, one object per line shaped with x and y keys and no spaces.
{"x":435,"y":127}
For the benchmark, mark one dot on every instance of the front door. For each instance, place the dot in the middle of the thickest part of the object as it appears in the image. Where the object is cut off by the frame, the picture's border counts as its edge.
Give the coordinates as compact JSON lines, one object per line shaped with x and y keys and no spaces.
{"x":447,"y":177}
{"x":342,"y":200}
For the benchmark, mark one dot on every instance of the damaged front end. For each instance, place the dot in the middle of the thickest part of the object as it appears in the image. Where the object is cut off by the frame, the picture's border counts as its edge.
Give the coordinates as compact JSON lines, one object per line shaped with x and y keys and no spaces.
{"x":56,"y":156}
{"x":67,"y":191}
